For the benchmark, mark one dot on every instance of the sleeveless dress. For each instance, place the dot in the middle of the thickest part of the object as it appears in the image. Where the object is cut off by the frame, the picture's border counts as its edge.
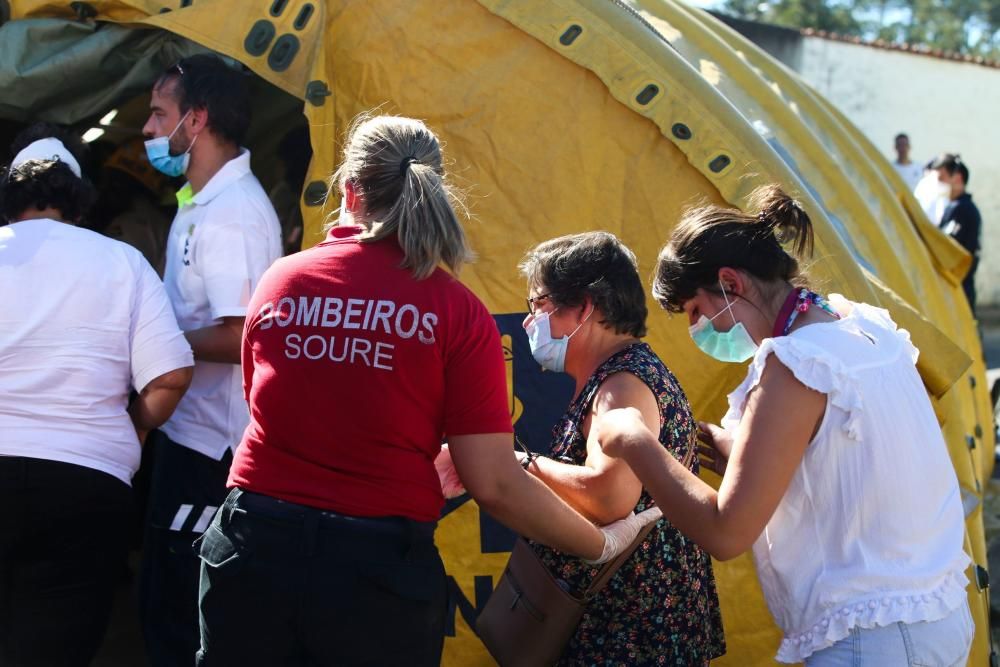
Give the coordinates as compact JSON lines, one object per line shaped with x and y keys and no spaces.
{"x":661,"y":607}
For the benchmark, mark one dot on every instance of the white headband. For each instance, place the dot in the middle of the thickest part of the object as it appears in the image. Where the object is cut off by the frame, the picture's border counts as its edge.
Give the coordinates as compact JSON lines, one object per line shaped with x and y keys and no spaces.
{"x":47,"y":149}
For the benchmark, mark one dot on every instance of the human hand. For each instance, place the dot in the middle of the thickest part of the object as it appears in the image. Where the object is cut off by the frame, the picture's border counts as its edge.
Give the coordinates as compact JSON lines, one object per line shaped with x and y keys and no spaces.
{"x":615,"y":429}
{"x":620,"y":534}
{"x":715,"y":446}
{"x":451,"y":485}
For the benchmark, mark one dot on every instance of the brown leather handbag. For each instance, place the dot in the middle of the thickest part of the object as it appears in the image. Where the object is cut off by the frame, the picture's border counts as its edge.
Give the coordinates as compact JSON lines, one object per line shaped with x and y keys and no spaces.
{"x":530,"y":617}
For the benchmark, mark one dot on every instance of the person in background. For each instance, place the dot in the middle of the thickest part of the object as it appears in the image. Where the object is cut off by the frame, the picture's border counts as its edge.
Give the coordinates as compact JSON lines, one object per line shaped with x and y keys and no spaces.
{"x":910,"y":171}
{"x":587,"y":316}
{"x":960,"y":219}
{"x":844,"y":491}
{"x":359,"y":355}
{"x":84,"y":319}
{"x":223,"y":238}
{"x":294,"y":152}
{"x":128,"y":204}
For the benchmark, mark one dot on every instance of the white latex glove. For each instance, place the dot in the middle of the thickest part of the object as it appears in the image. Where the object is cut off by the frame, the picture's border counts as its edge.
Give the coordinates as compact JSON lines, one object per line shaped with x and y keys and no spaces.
{"x":451,"y":485}
{"x":621,"y":533}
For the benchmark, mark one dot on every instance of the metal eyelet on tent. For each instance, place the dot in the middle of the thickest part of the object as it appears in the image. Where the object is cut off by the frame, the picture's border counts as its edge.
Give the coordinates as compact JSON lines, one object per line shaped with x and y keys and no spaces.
{"x":647,"y":94}
{"x":570,"y":34}
{"x":303,"y":18}
{"x":719,"y":163}
{"x":681,"y":131}
{"x":277,"y":7}
{"x":259,"y":38}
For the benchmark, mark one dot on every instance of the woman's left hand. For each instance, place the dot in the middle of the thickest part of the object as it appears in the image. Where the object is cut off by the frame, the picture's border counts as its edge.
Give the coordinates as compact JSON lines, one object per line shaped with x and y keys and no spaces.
{"x":616,"y":430}
{"x":619,"y":535}
{"x":451,"y":485}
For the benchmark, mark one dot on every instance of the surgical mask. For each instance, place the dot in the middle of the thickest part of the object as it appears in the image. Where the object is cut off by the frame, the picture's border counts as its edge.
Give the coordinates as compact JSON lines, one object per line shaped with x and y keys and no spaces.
{"x":158,"y":152}
{"x":942,"y":190}
{"x":549,"y":352}
{"x":731,"y":346}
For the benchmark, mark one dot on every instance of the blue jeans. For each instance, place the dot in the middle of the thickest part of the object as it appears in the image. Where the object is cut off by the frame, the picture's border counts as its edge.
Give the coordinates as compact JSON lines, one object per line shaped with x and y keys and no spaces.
{"x":944,"y":643}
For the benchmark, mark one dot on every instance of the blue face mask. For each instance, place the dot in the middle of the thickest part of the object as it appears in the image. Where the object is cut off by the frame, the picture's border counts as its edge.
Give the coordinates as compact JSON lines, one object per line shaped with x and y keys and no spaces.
{"x":158,"y":152}
{"x":549,"y":352}
{"x":731,"y":346}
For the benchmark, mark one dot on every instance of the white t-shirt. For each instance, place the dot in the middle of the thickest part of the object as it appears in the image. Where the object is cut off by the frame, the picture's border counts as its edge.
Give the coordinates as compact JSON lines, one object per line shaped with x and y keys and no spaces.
{"x":219,"y":246}
{"x":84,"y":318}
{"x":871,"y":528}
{"x":911,"y":173}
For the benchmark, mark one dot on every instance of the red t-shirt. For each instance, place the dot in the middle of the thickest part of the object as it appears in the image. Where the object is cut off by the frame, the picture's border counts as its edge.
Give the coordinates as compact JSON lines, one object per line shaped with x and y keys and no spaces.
{"x":355,"y":371}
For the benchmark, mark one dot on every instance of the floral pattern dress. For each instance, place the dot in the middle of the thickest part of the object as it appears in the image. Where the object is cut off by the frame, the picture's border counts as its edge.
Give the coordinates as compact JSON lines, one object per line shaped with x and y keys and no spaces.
{"x":661,"y":607}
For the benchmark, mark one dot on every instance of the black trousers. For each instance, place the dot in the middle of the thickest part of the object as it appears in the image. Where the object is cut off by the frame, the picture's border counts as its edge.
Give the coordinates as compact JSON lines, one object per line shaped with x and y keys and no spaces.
{"x":63,"y":543}
{"x":186,"y":490}
{"x":284,"y":585}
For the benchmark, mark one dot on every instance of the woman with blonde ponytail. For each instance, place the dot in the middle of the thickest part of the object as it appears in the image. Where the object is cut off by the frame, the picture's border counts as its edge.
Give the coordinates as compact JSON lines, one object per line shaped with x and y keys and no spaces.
{"x":360,"y":356}
{"x":834,"y":470}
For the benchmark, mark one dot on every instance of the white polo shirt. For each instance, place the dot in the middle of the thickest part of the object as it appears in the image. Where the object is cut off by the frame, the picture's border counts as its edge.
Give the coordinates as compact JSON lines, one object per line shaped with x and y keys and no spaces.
{"x":911,"y":173}
{"x":84,"y":318}
{"x":220,"y":244}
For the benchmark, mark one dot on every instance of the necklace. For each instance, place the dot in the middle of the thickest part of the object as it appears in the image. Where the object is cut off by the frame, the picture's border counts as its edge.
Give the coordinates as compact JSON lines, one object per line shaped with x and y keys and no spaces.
{"x":799,"y":301}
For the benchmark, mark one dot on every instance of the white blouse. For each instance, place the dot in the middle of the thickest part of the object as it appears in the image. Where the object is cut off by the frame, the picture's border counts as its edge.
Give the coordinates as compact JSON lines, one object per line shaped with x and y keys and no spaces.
{"x":871,"y":529}
{"x":84,"y":319}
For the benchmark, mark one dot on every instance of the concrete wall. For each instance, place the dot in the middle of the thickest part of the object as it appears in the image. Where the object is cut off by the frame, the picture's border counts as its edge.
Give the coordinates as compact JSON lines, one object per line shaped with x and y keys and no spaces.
{"x":943,"y":105}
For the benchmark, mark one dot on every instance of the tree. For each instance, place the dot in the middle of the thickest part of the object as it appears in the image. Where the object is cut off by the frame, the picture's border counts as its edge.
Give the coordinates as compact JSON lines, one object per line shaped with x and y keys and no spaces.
{"x":964,"y":26}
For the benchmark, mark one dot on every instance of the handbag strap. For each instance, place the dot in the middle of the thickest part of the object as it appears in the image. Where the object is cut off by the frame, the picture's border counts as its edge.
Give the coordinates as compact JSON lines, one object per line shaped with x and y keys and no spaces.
{"x":611,"y":568}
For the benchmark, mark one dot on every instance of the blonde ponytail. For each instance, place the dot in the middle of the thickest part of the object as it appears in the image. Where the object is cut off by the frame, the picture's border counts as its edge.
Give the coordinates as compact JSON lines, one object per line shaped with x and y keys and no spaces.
{"x":395,"y":164}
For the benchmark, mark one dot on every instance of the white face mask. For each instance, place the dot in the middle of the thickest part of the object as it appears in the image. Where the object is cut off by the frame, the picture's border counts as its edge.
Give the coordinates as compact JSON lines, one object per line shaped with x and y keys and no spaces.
{"x":731,"y":346}
{"x":549,"y":352}
{"x":943,"y":190}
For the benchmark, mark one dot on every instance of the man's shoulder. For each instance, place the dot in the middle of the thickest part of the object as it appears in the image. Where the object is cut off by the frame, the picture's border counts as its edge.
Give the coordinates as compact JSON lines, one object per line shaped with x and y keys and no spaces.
{"x":966,"y":208}
{"x":242,"y":202}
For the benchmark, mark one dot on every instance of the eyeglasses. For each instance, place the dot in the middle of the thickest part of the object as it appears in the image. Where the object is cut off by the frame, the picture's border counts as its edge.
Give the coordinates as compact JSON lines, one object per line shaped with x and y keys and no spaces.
{"x":532,"y":300}
{"x":176,"y":69}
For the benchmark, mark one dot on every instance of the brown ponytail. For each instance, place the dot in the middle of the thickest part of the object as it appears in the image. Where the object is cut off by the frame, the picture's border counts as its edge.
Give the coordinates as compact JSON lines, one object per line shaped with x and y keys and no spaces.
{"x":786,"y":217}
{"x":395,"y":164}
{"x":708,"y":238}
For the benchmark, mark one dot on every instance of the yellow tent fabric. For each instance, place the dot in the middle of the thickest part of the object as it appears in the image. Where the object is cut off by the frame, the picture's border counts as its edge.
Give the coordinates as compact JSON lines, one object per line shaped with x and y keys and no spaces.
{"x":571,"y":115}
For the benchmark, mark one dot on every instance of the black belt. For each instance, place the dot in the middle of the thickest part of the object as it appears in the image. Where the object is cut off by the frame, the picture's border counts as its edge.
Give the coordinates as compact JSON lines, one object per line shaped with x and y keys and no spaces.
{"x":287,"y":512}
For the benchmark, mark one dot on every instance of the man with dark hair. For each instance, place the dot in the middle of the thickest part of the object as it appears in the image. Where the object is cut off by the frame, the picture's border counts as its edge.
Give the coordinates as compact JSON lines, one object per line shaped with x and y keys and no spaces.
{"x":910,"y":171}
{"x":961,"y":219}
{"x":223,"y":238}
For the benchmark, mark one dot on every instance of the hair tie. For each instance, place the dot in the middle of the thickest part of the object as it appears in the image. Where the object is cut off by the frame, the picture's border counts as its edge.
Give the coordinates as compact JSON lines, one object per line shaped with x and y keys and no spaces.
{"x":405,"y":164}
{"x":762,"y":217}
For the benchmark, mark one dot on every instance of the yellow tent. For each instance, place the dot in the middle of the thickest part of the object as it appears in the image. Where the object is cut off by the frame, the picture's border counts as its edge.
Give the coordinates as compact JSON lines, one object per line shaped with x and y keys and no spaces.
{"x":568,"y":115}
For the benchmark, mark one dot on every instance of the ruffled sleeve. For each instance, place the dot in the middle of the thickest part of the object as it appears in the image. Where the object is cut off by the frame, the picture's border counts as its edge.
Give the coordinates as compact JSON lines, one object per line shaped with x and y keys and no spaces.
{"x":880,"y":317}
{"x":813,"y":367}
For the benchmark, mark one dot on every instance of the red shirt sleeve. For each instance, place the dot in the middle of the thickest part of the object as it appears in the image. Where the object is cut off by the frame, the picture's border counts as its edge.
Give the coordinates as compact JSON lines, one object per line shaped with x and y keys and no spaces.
{"x":475,"y":378}
{"x":246,"y":359}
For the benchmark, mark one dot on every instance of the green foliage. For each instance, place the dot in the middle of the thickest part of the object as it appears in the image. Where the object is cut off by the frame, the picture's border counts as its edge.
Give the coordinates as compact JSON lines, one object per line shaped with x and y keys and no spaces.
{"x":965,"y":26}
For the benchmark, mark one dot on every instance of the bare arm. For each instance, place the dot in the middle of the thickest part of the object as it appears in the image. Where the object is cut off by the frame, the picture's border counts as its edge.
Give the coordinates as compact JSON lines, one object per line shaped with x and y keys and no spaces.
{"x":779,"y":420}
{"x":158,"y":399}
{"x":218,"y":342}
{"x":603,"y":489}
{"x":487,"y":467}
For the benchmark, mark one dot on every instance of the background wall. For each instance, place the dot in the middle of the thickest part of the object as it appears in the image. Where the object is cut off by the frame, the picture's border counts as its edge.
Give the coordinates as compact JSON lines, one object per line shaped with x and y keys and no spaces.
{"x":943,"y":105}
